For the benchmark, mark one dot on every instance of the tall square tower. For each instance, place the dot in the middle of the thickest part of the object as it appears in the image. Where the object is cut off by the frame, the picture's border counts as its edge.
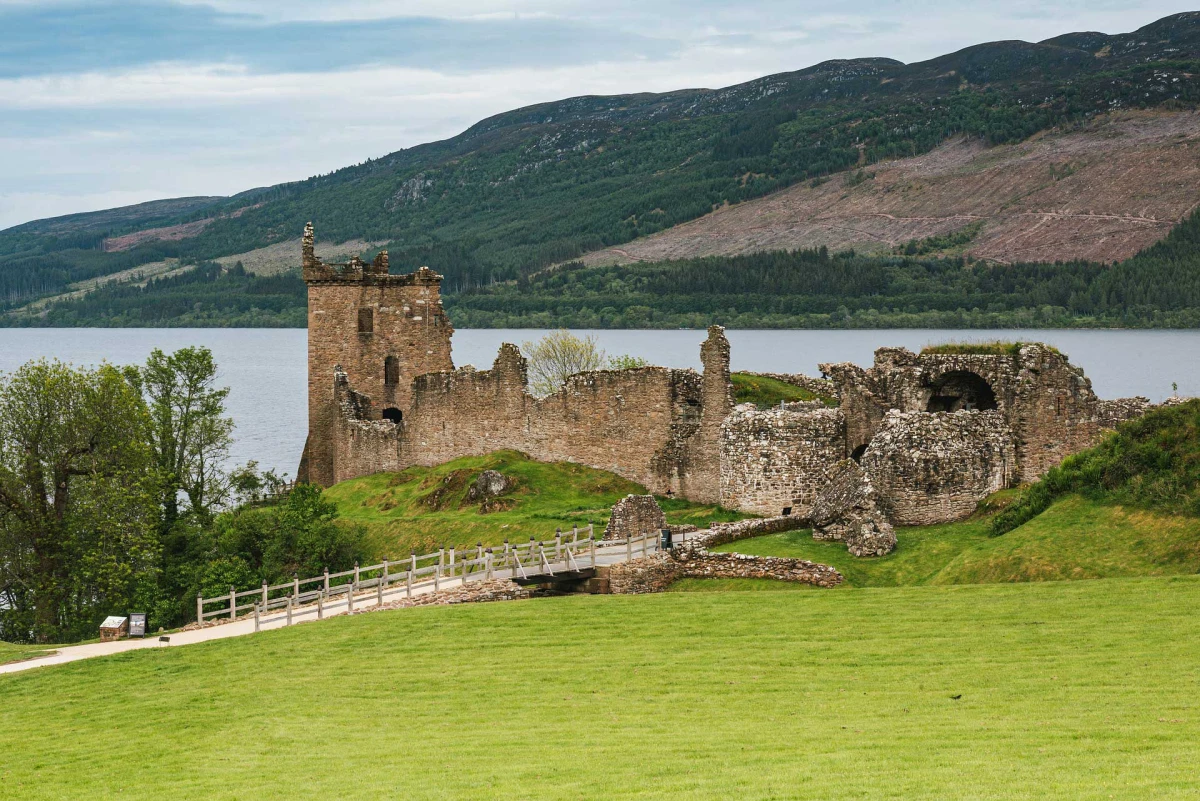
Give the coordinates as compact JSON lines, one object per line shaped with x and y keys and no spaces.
{"x":382,"y":330}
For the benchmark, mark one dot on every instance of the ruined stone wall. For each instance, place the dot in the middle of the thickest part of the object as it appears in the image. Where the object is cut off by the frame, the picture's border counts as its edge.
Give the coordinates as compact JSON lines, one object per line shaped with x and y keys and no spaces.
{"x":933,"y":468}
{"x":1111,"y":413}
{"x":633,"y":516}
{"x":724,"y":533}
{"x":653,"y":573}
{"x":1047,"y":403}
{"x":699,"y":563}
{"x":657,"y":572}
{"x":776,"y":458}
{"x":645,"y":424}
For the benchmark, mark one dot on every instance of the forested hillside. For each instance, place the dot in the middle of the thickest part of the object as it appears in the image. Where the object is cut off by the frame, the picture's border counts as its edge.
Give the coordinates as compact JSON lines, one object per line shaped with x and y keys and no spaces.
{"x":545,"y":184}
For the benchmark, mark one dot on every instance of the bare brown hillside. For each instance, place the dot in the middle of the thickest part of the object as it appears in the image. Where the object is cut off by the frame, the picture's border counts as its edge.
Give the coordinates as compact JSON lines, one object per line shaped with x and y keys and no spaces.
{"x":1101,"y":192}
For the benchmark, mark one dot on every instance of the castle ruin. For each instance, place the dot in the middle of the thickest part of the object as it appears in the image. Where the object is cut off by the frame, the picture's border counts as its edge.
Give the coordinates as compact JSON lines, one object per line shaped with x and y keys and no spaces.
{"x":932,"y":433}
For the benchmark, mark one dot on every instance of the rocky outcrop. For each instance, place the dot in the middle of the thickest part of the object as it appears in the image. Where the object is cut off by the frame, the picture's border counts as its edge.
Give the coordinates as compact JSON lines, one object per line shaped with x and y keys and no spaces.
{"x":489,"y":484}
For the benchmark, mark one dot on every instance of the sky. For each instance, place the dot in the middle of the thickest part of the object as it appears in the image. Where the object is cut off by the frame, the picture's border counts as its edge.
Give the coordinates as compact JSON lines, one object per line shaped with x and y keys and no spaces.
{"x":106,"y":104}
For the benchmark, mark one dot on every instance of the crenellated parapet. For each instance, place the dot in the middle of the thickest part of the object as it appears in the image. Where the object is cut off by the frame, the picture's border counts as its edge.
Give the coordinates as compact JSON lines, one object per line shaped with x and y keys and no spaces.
{"x":355,"y":270}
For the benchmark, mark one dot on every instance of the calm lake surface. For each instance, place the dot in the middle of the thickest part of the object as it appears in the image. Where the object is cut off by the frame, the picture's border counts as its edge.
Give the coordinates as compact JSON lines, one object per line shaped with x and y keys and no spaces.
{"x":265,"y":368}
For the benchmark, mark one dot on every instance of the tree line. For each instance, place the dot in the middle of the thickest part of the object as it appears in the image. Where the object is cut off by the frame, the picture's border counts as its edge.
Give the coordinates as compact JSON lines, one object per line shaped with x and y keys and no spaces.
{"x":116,"y":495}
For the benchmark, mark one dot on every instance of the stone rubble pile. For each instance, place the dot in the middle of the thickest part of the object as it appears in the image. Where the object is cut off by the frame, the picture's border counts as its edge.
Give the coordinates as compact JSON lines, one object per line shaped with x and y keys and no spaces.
{"x":847,"y":510}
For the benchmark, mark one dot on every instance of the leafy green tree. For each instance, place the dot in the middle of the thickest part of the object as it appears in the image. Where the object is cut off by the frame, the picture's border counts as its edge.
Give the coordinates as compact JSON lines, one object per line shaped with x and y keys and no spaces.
{"x":190,"y":434}
{"x":77,"y":515}
{"x":557,"y":356}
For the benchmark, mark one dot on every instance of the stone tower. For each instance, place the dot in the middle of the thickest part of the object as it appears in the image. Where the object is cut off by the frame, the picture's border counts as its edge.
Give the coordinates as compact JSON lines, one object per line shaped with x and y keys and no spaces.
{"x":382,"y":330}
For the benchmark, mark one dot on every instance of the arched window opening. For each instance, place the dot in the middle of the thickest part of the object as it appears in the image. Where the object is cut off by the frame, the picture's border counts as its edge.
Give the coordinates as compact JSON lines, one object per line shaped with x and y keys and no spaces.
{"x":393,"y":414}
{"x":391,"y":371}
{"x":857,"y":453}
{"x":366,"y":321}
{"x":961,"y":389}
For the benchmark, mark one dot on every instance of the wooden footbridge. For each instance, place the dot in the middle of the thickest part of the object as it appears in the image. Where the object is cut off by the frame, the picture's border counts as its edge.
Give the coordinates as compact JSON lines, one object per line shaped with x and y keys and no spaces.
{"x":562,"y":561}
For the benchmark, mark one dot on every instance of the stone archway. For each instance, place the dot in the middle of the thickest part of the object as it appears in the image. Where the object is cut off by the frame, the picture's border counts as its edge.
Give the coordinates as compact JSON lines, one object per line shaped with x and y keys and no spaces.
{"x":961,"y":389}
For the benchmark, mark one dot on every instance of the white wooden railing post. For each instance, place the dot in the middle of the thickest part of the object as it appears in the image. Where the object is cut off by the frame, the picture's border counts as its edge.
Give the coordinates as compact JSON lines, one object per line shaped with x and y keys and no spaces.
{"x":320,"y":606}
{"x":350,"y":598}
{"x":296,"y":586}
{"x":383,"y":580}
{"x":504,"y":563}
{"x":487,"y":564}
{"x":437,"y":571}
{"x":256,"y":618}
{"x":264,"y":598}
{"x":289,"y":610}
{"x":354,"y":586}
{"x":326,"y":582}
{"x":450,"y":571}
{"x":199,"y":607}
{"x":232,"y":603}
{"x":557,"y":544}
{"x":592,"y":548}
{"x":412,"y":568}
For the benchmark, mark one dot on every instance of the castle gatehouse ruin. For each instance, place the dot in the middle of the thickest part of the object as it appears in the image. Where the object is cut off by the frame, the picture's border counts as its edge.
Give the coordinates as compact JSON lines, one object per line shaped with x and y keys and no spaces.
{"x":930,"y":434}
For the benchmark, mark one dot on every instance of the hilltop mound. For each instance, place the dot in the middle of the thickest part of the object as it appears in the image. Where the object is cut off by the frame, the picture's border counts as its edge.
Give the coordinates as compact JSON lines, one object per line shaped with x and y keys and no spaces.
{"x":423,"y":508}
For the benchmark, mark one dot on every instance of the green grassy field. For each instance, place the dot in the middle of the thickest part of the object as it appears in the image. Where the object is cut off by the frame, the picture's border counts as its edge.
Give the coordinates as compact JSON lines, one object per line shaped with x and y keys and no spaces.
{"x":422,"y":508}
{"x":1075,"y":538}
{"x":1050,"y":690}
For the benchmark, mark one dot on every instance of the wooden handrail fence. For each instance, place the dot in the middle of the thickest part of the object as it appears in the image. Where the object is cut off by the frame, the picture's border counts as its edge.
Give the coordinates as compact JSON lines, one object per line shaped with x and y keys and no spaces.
{"x":418,"y":573}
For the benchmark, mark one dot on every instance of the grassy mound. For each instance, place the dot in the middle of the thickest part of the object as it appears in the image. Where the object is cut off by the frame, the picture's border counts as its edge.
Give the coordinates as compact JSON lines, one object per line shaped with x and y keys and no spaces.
{"x":1056,"y":690}
{"x":423,"y":508}
{"x":1152,"y":462}
{"x":993,"y":348}
{"x":1076,"y":538}
{"x":767,"y":392}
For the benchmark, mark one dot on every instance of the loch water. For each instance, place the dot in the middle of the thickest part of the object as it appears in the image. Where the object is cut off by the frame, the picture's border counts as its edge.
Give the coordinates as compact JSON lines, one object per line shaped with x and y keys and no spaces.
{"x":265,"y":368}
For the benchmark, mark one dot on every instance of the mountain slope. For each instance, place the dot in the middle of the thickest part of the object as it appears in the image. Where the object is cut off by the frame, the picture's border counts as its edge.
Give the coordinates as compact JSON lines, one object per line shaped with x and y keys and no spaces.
{"x":1100,"y":191}
{"x":544,"y":184}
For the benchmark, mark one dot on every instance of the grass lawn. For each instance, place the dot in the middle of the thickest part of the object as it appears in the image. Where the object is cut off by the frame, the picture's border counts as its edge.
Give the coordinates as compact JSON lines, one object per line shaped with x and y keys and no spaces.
{"x":1075,"y":538}
{"x":1073,"y":690}
{"x":13,"y":652}
{"x":767,"y":392}
{"x":422,"y":508}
